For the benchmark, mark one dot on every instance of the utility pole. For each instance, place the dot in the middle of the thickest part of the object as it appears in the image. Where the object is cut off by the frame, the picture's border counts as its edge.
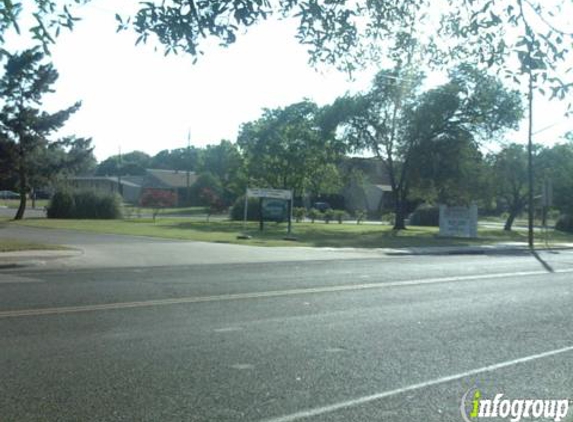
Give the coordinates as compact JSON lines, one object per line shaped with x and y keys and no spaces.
{"x":531,"y":205}
{"x":187,"y":166}
{"x":119,"y":167}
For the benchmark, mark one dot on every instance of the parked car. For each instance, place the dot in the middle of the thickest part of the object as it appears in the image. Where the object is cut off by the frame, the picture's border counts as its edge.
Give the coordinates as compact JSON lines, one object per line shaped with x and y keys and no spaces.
{"x":322,"y":206}
{"x":8,"y":194}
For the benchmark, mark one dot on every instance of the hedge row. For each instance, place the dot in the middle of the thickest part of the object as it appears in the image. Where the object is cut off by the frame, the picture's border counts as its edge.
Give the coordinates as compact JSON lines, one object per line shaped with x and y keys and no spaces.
{"x":565,"y":223}
{"x":84,"y":205}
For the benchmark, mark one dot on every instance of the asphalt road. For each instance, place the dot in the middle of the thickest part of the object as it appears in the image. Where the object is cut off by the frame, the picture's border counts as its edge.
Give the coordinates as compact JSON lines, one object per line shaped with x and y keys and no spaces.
{"x":389,"y":339}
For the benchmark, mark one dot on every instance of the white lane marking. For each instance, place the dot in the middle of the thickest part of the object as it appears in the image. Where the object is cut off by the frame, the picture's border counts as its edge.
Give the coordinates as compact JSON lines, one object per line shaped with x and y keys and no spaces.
{"x":243,"y":366}
{"x":227,"y":329}
{"x":10,"y":279}
{"x":304,"y":414}
{"x":267,"y":294}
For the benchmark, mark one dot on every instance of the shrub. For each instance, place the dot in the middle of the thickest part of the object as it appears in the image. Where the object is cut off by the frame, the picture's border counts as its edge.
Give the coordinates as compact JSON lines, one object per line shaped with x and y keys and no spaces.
{"x":313,"y":214}
{"x":238,"y":209}
{"x":214,"y":202}
{"x":61,"y":205}
{"x":565,"y":223}
{"x":388,"y":217}
{"x":340,"y":216}
{"x":328,"y":215}
{"x":109,"y":207}
{"x":425,"y":215}
{"x":553,"y":215}
{"x":158,"y":199}
{"x":298,"y":213}
{"x":360,"y":216}
{"x":84,"y":205}
{"x":205,"y":181}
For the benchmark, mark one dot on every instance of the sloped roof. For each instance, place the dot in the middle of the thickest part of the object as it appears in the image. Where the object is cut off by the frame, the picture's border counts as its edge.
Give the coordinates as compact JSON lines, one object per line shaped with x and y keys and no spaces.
{"x":136,"y":180}
{"x":373,"y":168}
{"x":384,"y":188}
{"x":168,"y":179}
{"x":112,"y":179}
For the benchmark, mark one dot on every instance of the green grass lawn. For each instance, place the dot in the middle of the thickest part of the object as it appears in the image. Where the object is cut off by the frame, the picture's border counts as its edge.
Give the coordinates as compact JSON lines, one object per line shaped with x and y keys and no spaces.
{"x":14,"y":245}
{"x":14,"y":203}
{"x":307,"y":234}
{"x":131,"y":211}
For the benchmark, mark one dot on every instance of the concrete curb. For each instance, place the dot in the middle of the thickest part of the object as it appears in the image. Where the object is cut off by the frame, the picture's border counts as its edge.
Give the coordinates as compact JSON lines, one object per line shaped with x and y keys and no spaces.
{"x":13,"y":260}
{"x":34,"y":258}
{"x":476,"y":250}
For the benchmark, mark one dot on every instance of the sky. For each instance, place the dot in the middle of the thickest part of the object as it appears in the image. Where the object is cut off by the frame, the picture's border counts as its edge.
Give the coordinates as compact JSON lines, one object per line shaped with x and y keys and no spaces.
{"x":135,"y":98}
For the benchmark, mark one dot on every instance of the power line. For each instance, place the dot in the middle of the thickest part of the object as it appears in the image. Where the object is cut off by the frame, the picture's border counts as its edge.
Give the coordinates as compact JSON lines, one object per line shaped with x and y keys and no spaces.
{"x":550,"y":126}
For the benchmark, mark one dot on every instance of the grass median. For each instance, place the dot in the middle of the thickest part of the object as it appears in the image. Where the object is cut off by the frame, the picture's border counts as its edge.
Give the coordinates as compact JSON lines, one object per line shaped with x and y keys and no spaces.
{"x":307,"y":234}
{"x":15,"y":245}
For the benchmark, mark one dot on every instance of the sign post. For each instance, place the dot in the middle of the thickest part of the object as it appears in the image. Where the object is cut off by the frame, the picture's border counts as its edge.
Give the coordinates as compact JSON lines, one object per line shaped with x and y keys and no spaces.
{"x":458,"y":221}
{"x":269,"y":194}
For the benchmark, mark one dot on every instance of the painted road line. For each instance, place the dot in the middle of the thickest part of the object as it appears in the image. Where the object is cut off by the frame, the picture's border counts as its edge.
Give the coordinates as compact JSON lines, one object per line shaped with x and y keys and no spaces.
{"x":262,"y":295}
{"x":14,"y":279}
{"x":318,"y":411}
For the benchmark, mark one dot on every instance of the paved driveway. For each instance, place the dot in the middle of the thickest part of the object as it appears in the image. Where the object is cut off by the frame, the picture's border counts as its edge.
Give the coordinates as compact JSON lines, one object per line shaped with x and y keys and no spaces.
{"x":107,"y":250}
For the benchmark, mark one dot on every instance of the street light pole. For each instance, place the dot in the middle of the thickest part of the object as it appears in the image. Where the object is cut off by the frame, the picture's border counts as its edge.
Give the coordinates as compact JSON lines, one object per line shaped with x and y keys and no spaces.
{"x":119,"y":168}
{"x":530,"y":235}
{"x":188,"y":181}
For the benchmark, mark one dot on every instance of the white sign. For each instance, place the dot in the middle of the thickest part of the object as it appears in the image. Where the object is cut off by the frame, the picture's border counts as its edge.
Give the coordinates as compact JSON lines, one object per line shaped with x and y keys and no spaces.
{"x":458,"y":221}
{"x":270,"y":193}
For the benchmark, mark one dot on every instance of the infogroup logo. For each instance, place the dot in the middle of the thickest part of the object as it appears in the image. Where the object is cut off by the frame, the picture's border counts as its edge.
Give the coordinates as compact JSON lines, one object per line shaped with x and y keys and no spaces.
{"x":475,"y":407}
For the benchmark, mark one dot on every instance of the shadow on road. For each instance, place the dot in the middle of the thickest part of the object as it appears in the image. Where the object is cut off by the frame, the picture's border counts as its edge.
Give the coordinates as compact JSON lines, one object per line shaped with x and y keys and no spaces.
{"x":479,"y":251}
{"x":544,"y":263}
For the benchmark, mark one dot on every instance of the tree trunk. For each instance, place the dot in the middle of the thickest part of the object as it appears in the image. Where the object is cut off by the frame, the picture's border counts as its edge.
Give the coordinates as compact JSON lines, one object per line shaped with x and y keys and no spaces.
{"x":399,"y":223}
{"x":22,"y":206}
{"x":513,"y":212}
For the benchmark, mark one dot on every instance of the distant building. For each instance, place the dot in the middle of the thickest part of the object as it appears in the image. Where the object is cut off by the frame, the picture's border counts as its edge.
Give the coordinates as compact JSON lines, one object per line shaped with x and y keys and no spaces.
{"x":130,"y":191}
{"x":372,"y":191}
{"x":170,"y":180}
{"x":132,"y":187}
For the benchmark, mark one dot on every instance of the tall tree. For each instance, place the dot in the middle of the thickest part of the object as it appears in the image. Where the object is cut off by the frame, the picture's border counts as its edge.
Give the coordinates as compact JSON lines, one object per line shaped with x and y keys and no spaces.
{"x":25,"y":130}
{"x":510,"y":180}
{"x":181,"y":159}
{"x":224,"y":160}
{"x":133,"y":163}
{"x":348,"y":33}
{"x":555,"y":164}
{"x":286,"y":146}
{"x":447,"y":170}
{"x":394,"y":120}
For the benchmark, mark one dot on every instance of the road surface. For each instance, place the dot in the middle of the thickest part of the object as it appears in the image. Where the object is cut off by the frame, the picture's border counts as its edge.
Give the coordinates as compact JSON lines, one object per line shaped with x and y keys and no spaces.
{"x":388,"y":339}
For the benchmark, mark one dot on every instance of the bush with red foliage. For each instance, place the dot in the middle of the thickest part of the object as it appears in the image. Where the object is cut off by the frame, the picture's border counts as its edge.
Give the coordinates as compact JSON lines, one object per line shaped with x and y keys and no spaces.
{"x":158,"y":199}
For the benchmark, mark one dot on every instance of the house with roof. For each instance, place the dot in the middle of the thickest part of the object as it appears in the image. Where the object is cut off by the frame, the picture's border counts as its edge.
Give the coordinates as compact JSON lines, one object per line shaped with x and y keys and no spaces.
{"x":131,"y":188}
{"x":372,"y":191}
{"x":174,"y":181}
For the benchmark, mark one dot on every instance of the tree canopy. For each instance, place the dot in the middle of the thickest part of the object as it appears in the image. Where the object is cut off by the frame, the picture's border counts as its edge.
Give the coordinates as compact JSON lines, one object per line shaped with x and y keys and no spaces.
{"x":348,"y":33}
{"x":133,"y":163}
{"x":287,"y":147}
{"x":396,"y":122}
{"x":29,"y":154}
